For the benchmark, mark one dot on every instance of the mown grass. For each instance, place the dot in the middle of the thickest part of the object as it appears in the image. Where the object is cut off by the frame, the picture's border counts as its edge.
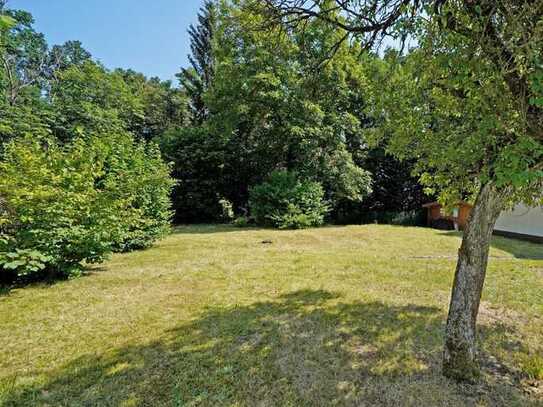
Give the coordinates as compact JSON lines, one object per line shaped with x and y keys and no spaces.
{"x":346,"y":316}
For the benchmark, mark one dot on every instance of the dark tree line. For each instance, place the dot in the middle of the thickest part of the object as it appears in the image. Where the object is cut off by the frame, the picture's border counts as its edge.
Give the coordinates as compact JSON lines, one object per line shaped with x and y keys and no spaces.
{"x":259,"y":102}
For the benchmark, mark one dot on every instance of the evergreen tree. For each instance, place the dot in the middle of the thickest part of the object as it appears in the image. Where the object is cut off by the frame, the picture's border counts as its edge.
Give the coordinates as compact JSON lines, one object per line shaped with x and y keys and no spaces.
{"x":197,"y":78}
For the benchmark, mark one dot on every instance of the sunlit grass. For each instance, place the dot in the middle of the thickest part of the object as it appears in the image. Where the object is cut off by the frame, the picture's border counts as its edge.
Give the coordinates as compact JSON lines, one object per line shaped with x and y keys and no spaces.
{"x":212,"y":316}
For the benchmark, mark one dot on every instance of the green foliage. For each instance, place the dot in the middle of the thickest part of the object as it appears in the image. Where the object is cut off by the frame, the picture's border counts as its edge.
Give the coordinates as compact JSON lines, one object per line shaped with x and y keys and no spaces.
{"x":457,"y":120}
{"x":65,"y":205}
{"x":394,"y":190}
{"x":286,"y":202}
{"x":53,"y":206}
{"x":69,"y":54}
{"x":274,"y":109}
{"x":241,"y":221}
{"x":23,"y":262}
{"x":198,"y":160}
{"x":537,"y":86}
{"x":197,"y":79}
{"x":89,"y":98}
{"x":28,"y":119}
{"x":74,"y":185}
{"x":6,"y":22}
{"x":139,"y":177}
{"x":533,"y":366}
{"x":163,"y":106}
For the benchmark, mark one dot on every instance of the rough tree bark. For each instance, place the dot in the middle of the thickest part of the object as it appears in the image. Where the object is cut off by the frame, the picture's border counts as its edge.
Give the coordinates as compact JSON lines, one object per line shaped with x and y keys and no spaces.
{"x":460,"y":360}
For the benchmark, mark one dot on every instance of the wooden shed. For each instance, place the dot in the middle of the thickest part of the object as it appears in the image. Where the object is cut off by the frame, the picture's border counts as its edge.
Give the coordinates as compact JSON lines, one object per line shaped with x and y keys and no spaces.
{"x":457,"y":217}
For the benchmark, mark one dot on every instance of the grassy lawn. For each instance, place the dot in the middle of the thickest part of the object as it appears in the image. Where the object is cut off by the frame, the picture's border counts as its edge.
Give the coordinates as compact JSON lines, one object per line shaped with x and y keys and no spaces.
{"x":212,"y":316}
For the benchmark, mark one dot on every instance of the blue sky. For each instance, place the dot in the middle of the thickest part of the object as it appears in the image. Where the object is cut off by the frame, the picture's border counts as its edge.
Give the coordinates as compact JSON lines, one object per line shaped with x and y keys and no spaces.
{"x":149,"y":36}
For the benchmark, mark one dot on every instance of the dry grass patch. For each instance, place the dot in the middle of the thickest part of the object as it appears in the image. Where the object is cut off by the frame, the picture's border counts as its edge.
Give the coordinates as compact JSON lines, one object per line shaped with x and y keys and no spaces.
{"x":346,"y":316}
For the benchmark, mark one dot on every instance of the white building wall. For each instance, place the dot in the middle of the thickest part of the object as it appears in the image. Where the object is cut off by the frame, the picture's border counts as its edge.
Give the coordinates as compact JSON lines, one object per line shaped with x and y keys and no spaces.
{"x":523,"y":220}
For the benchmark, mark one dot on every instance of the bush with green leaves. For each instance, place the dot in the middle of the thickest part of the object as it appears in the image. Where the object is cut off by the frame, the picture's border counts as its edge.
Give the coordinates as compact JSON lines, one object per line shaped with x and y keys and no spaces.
{"x":61,"y":206}
{"x":198,"y":159}
{"x":286,"y":202}
{"x":141,"y":180}
{"x":21,"y":263}
{"x":241,"y":222}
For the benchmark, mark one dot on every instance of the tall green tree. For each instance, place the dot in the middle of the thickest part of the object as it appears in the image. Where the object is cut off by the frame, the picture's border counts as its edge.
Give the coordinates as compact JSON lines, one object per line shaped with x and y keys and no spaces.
{"x":24,"y":57}
{"x":63,"y":57}
{"x":472,"y":118}
{"x":278,"y":109}
{"x":198,"y":157}
{"x":271,"y":105}
{"x":89,"y":98}
{"x":68,"y":54}
{"x":23,"y":67}
{"x":164,"y":106}
{"x":197,"y":79}
{"x":65,"y":89}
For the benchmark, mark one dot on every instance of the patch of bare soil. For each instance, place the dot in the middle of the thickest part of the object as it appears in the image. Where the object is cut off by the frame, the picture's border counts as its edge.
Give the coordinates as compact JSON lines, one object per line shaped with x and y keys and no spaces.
{"x":538,"y":272}
{"x":490,"y":314}
{"x":499,"y":371}
{"x":438,"y":257}
{"x":534,"y":388}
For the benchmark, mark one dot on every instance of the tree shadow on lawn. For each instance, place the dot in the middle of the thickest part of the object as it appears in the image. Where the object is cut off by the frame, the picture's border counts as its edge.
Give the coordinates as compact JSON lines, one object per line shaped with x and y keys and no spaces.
{"x":206,"y":229}
{"x":46,"y":282}
{"x":305,"y":349}
{"x":4,"y":291}
{"x":213,"y":228}
{"x":520,"y":249}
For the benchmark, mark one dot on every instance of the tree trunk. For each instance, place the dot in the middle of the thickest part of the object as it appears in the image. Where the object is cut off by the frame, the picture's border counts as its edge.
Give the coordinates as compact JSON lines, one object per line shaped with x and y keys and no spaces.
{"x":460,"y":355}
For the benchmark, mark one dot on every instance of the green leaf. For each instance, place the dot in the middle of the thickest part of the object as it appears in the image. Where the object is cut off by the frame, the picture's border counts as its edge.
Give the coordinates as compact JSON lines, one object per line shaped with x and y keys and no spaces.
{"x":7,"y":22}
{"x":13,"y":265}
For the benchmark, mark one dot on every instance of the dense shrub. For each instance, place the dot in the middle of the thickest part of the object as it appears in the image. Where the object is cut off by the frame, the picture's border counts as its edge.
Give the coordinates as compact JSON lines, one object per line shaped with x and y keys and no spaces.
{"x":241,"y":221}
{"x":64,"y":205}
{"x":286,"y":202}
{"x":197,"y":157}
{"x":142,"y":182}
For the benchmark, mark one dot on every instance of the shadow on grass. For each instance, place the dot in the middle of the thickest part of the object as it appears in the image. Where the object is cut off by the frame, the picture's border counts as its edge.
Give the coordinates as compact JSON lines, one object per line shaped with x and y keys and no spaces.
{"x":304,"y":349}
{"x":4,"y":291}
{"x":45,"y":282}
{"x":212,"y":228}
{"x":205,"y":229}
{"x":520,"y":249}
